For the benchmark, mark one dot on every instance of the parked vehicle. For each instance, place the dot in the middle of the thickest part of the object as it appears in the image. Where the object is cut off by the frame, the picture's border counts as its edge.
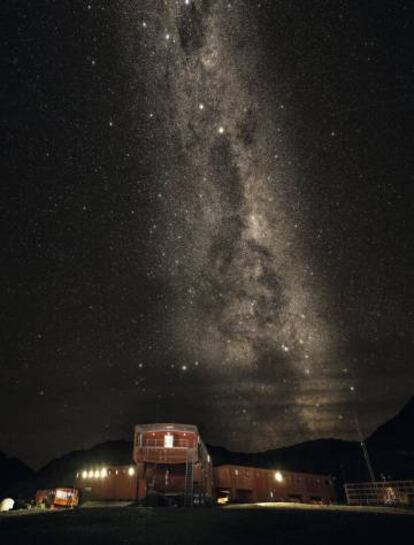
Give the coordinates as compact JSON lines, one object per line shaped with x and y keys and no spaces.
{"x":56,"y":498}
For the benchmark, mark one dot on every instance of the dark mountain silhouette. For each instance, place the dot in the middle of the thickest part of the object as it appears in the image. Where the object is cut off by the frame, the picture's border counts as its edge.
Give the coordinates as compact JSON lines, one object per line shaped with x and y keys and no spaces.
{"x":397,"y":433}
{"x":61,"y":471}
{"x":12,"y":470}
{"x":390,"y":448}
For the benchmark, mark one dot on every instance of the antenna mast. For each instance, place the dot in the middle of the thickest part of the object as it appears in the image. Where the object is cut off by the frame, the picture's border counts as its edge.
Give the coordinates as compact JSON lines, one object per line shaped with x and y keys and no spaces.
{"x":364,"y":450}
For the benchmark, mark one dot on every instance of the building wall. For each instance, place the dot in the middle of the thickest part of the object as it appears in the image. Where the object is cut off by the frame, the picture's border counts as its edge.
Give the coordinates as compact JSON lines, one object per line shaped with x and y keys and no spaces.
{"x":119,"y":483}
{"x":241,"y":484}
{"x":249,"y":484}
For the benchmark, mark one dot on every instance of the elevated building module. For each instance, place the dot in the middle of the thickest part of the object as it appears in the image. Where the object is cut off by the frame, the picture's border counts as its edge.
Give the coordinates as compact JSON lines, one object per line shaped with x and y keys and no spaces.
{"x":173,"y":462}
{"x":166,"y":443}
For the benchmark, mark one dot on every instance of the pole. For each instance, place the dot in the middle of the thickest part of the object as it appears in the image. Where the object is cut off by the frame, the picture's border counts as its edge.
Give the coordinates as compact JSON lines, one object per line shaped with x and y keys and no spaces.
{"x":364,"y":450}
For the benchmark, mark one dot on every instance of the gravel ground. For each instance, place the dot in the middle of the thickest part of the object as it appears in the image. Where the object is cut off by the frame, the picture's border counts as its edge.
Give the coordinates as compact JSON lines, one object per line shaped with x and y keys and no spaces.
{"x":258,"y":524}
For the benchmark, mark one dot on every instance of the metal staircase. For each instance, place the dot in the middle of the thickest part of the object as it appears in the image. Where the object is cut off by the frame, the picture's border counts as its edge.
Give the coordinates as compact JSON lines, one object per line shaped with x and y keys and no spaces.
{"x":189,"y":479}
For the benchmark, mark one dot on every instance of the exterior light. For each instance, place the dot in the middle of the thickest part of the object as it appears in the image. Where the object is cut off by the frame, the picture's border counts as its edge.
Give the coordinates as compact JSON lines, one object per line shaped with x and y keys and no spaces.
{"x":278,"y":477}
{"x":104,"y":472}
{"x":90,"y":474}
{"x":131,"y":471}
{"x":97,"y":473}
{"x":84,"y":474}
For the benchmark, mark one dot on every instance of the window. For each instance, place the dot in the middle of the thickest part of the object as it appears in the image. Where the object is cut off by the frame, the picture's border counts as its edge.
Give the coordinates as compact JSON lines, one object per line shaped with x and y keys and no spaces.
{"x":62,"y":494}
{"x":168,"y":440}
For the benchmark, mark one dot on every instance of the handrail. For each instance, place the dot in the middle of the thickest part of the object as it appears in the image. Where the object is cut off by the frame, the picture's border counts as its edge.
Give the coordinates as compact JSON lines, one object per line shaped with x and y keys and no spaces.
{"x":159,"y":443}
{"x":380,"y":484}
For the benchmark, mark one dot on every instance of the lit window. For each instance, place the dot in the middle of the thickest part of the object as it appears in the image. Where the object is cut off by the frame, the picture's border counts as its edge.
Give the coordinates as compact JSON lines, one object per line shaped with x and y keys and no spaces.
{"x":84,"y":474}
{"x":62,"y":494}
{"x":168,"y":440}
{"x":131,"y":471}
{"x":90,"y":474}
{"x":104,"y":472}
{"x":97,"y":474}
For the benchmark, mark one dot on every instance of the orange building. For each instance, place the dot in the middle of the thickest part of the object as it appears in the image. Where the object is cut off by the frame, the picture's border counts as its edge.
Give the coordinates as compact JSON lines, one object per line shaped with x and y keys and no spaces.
{"x":173,"y":463}
{"x":241,"y":484}
{"x":172,"y":466}
{"x":108,"y":483}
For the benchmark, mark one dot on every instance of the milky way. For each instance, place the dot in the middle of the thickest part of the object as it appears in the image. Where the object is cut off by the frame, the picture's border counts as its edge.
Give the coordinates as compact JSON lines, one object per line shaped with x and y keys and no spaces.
{"x":247,"y":304}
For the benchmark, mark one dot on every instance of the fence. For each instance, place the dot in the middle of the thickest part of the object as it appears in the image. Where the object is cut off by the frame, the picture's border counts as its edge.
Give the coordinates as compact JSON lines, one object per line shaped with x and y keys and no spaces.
{"x":380,"y":493}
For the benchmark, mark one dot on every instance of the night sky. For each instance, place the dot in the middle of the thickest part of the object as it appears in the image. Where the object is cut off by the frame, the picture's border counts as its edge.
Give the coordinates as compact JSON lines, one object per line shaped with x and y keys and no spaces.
{"x":205,"y":218}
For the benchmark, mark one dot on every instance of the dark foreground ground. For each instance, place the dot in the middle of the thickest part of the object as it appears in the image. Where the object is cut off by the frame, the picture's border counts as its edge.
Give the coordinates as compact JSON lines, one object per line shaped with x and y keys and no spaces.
{"x":261,"y":524}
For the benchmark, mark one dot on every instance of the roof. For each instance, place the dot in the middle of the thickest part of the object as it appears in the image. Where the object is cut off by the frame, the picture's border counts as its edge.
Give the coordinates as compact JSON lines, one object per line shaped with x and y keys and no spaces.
{"x":268,"y":469}
{"x":169,"y":426}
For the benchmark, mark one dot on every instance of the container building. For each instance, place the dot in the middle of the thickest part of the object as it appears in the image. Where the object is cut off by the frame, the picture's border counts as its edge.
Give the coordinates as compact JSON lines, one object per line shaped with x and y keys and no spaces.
{"x":171,"y":465}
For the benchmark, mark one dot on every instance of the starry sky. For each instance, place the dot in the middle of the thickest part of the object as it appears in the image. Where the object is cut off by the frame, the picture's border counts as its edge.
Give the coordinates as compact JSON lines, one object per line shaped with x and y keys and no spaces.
{"x":206,"y":219}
